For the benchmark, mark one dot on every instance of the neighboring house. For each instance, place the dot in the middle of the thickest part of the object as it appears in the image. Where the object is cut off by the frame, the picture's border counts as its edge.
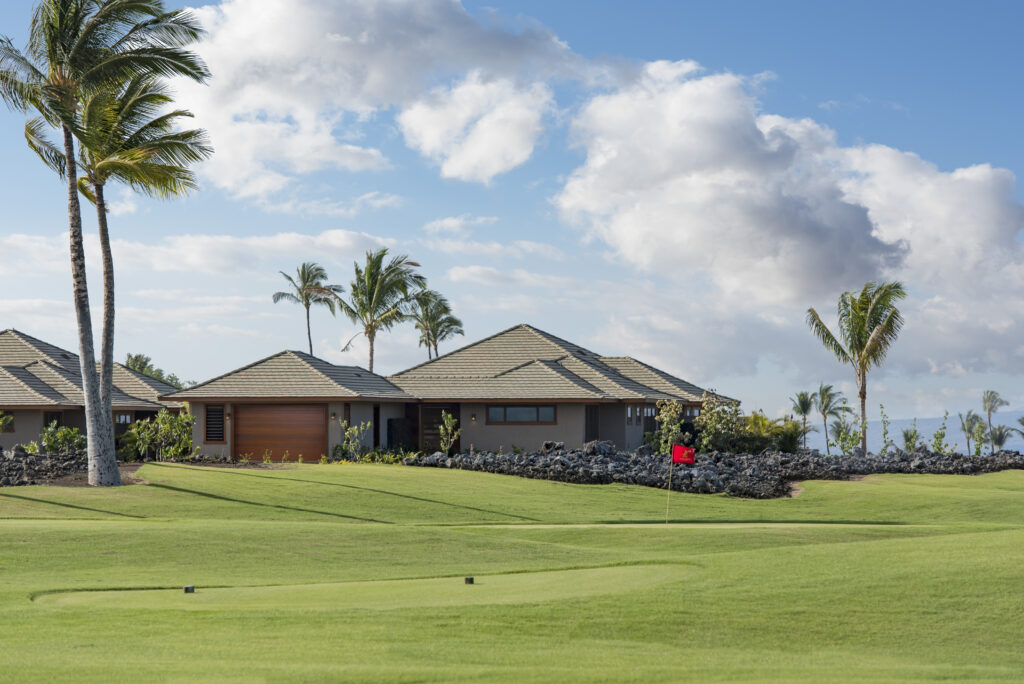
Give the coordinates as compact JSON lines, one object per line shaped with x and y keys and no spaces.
{"x":523,"y":386}
{"x":293,"y":402}
{"x":41,"y":383}
{"x":518,"y":388}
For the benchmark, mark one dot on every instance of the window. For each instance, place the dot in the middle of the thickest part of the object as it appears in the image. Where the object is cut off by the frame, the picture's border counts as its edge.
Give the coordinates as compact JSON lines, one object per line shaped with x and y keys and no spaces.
{"x":10,"y":426}
{"x":520,"y":415}
{"x":629,"y":415}
{"x":123,"y":418}
{"x":50,"y":416}
{"x":214,"y":424}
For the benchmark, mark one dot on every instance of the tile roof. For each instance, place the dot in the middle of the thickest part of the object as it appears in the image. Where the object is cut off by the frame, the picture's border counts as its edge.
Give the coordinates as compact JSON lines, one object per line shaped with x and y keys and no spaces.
{"x":293,"y":375}
{"x":19,"y":387}
{"x":19,"y":349}
{"x":37,"y":373}
{"x":526,"y":363}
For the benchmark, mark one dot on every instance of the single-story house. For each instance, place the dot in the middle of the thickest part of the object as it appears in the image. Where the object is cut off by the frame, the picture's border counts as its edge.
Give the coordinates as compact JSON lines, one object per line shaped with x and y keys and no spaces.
{"x":523,"y":386}
{"x":41,"y":383}
{"x":517,"y":388}
{"x":292,"y":404}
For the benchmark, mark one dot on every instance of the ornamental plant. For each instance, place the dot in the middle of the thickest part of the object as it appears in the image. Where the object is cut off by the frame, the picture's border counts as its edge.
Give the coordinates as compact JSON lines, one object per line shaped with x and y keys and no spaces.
{"x":449,"y":431}
{"x":939,"y":444}
{"x":351,"y":446}
{"x":886,"y":443}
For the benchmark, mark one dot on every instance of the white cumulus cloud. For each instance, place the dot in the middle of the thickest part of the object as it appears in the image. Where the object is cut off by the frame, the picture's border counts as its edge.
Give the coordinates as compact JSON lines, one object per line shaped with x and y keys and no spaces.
{"x":478,"y":128}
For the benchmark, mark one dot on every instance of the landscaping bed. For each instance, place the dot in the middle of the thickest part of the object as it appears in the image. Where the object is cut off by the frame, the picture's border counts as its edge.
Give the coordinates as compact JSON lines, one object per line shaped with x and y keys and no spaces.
{"x":761,"y":476}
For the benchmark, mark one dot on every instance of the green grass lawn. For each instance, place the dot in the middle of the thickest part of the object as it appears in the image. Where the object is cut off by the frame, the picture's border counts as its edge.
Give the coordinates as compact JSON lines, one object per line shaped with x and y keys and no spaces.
{"x":355,"y":572}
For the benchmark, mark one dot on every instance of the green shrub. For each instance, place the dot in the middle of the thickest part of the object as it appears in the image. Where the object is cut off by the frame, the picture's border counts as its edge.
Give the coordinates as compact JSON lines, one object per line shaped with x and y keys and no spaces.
{"x":720,"y":426}
{"x":58,"y":439}
{"x":168,"y":435}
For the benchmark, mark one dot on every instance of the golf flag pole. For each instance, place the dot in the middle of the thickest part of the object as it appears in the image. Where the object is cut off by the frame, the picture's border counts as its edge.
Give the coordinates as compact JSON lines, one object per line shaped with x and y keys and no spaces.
{"x":668,"y":494}
{"x":680,"y":454}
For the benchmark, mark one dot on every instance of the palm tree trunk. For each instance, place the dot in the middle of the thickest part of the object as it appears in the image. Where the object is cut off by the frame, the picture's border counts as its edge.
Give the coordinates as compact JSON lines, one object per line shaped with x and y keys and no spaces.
{"x":370,"y":336}
{"x":100,"y":434}
{"x":824,"y":422}
{"x":107,"y":351}
{"x":862,"y":391}
{"x":309,"y":334}
{"x":991,"y":444}
{"x":805,"y":431}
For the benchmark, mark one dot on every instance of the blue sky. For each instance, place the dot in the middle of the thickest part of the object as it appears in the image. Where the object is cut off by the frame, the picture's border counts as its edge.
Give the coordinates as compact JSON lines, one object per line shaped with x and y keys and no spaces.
{"x":673,"y":181}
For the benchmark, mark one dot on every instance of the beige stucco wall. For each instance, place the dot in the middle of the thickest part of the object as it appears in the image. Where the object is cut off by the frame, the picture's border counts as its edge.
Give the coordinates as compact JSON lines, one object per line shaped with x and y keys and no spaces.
{"x":221,"y":451}
{"x":27,"y":426}
{"x":569,"y":429}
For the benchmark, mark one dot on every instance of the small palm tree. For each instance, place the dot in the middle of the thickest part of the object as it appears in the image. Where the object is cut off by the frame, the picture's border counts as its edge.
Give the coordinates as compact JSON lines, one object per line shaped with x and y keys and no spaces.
{"x":967,"y":423}
{"x":803,"y":406}
{"x":829,"y":403}
{"x":992,"y":402}
{"x":869,"y":324}
{"x":998,"y":437}
{"x":309,"y":287}
{"x":433,"y":317}
{"x":381,"y":294}
{"x":78,"y":47}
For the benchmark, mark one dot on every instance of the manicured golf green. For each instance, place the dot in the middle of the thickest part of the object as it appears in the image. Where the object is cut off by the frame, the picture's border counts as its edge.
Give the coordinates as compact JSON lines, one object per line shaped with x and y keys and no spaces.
{"x":356,"y":573}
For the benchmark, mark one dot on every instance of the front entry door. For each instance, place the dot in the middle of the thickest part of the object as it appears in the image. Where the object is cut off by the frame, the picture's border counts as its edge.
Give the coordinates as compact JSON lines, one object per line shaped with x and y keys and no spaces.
{"x":590,"y":424}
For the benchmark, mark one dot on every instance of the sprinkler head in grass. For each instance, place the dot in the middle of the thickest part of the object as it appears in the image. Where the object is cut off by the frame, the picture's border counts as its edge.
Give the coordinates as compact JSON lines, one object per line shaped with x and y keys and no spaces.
{"x":469,"y":580}
{"x":190,"y":589}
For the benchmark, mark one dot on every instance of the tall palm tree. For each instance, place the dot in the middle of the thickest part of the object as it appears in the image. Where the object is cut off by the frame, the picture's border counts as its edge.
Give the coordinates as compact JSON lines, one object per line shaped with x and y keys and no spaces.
{"x":803,"y":405}
{"x":869,"y":324}
{"x":967,"y":423}
{"x":992,"y":402}
{"x":75,"y":48}
{"x":309,"y":287}
{"x":829,"y":403}
{"x":126,"y":136}
{"x":998,"y":436}
{"x":1021,"y":430}
{"x":381,"y":294}
{"x":433,"y":317}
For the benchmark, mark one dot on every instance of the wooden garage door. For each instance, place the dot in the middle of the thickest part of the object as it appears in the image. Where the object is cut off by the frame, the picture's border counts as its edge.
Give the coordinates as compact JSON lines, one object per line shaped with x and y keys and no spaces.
{"x":277,"y":428}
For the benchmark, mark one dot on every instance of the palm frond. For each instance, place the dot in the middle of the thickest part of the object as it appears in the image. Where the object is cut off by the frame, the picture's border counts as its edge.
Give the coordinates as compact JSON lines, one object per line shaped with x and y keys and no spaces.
{"x":826,"y":337}
{"x":38,"y":142}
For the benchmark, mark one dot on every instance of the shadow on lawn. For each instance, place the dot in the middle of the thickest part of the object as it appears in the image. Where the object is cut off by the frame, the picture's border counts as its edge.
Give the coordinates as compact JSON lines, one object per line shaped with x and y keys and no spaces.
{"x":67,"y":505}
{"x":220,"y":497}
{"x":222,"y":471}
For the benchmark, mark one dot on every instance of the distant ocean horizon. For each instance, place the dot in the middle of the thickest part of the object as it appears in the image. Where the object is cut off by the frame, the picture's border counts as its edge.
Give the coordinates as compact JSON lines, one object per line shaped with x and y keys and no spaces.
{"x":926,"y":427}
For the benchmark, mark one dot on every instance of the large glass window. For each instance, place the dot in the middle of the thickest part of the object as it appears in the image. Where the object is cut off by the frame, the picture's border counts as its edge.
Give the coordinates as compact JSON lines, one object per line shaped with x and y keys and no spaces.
{"x":521,"y":415}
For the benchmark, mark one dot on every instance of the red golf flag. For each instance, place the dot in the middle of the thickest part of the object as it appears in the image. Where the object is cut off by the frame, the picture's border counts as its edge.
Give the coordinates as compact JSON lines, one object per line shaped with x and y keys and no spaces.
{"x":682,"y":454}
